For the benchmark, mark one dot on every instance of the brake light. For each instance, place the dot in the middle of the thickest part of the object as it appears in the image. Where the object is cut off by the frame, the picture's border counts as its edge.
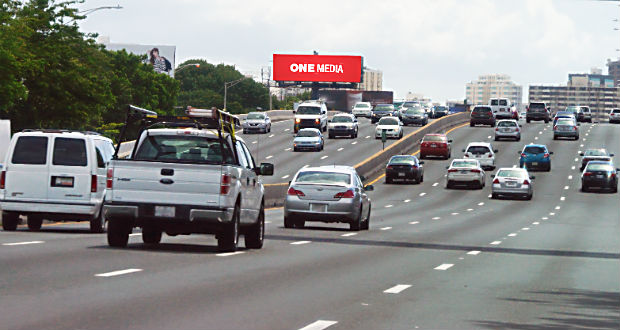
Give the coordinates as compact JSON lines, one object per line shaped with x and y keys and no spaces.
{"x":587,"y":174}
{"x":613,"y":175}
{"x":294,"y":192}
{"x":93,"y":183}
{"x":496,"y":129}
{"x":452,"y":170}
{"x":225,"y":184}
{"x":389,"y":167}
{"x":523,"y":155}
{"x":443,"y":145}
{"x":475,"y":170}
{"x":346,"y":194}
{"x":546,"y":155}
{"x":526,"y":182}
{"x":2,"y":179}
{"x":496,"y":181}
{"x":109,"y":178}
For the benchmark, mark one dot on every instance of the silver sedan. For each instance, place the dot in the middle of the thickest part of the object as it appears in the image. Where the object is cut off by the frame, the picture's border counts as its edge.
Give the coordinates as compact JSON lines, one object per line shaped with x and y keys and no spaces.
{"x":327,"y":194}
{"x":465,"y":172}
{"x":512,"y":182}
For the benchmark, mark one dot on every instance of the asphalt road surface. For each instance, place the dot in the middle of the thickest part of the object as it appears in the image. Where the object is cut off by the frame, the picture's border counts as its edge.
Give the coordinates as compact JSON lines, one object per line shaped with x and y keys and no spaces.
{"x":432,"y":259}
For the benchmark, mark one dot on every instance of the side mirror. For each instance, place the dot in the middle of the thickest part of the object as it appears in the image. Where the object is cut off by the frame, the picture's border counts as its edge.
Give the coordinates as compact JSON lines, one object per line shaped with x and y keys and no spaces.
{"x":421,"y":162}
{"x":449,"y":141}
{"x":266,"y":169}
{"x":495,"y":150}
{"x":329,"y":120}
{"x":519,"y":153}
{"x":463,"y":150}
{"x":551,"y":152}
{"x":532,"y":177}
{"x":369,"y":187}
{"x":611,"y":155}
{"x":362,"y":178}
{"x":447,"y":167}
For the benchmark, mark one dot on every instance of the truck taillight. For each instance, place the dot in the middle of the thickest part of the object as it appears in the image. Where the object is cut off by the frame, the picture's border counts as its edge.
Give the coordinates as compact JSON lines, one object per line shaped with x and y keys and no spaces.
{"x":2,"y":179}
{"x":475,"y":170}
{"x":225,"y":184}
{"x":93,"y":183}
{"x":452,"y":170}
{"x":109,"y":178}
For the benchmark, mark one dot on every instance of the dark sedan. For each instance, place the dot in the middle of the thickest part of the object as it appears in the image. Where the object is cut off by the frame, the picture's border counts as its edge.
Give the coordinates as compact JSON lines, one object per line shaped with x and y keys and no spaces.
{"x":414,"y":116}
{"x":599,"y":175}
{"x":382,"y":110}
{"x":404,"y":167}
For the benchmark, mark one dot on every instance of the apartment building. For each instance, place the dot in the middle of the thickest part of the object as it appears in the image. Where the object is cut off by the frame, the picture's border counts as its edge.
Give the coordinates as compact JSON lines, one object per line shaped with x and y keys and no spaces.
{"x":493,"y":86}
{"x":372,"y":80}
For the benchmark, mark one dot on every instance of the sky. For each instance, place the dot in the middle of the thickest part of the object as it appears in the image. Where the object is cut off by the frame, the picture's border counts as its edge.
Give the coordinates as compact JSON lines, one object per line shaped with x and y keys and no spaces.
{"x":432,"y":47}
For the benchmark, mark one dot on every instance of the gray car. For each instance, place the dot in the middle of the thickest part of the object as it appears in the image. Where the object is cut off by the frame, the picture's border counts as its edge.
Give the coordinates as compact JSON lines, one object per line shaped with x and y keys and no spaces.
{"x":566,"y":128}
{"x":327,"y":194}
{"x":256,"y":122}
{"x":508,"y":129}
{"x":512,"y":182}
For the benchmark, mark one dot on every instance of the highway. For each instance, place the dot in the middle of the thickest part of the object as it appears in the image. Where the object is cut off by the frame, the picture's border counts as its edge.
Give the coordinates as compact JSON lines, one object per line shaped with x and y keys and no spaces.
{"x":432,"y":259}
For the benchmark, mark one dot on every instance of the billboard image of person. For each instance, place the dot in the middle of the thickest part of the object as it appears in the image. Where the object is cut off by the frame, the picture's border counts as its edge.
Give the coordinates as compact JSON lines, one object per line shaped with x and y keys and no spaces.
{"x":160,"y":64}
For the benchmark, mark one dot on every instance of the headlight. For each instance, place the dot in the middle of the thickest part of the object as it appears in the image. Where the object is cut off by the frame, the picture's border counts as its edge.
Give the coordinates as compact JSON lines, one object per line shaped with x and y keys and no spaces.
{"x":317,"y":120}
{"x":297,"y":120}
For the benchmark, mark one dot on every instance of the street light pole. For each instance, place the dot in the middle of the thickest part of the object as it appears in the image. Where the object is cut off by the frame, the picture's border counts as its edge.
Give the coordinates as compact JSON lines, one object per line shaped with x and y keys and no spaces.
{"x":87,"y":12}
{"x":229,"y":84}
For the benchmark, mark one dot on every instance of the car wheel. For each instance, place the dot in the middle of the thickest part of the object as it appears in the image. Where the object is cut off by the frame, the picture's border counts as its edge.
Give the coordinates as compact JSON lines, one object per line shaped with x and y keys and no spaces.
{"x":35,"y":221}
{"x":494,"y":196}
{"x":289,"y":222}
{"x":449,"y":184}
{"x":10,"y":221}
{"x":471,"y":124}
{"x":245,"y":132}
{"x":151,"y":235}
{"x":330,"y":135}
{"x":228,"y":239}
{"x":422,"y":156}
{"x":299,"y":223}
{"x":496,"y":138}
{"x":422,"y":178}
{"x":388,"y":180}
{"x":527,"y":121}
{"x":366,"y":224}
{"x":519,"y":138}
{"x":255,"y":235}
{"x":118,"y":232}
{"x":530,"y":196}
{"x":356,"y":225}
{"x":98,"y":224}
{"x":548,"y":167}
{"x":555,"y":137}
{"x":584,"y":188}
{"x":546,"y":121}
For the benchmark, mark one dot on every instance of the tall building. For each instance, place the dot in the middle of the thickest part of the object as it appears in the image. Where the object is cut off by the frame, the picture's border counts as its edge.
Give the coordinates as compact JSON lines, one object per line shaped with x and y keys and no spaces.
{"x":613,"y":69}
{"x":493,"y":86}
{"x":372,"y":80}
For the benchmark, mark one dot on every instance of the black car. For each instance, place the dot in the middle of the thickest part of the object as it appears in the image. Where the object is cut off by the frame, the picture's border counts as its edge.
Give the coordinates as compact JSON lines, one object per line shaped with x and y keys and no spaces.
{"x":404,"y":167}
{"x":537,"y":111}
{"x":589,"y":155}
{"x":599,"y":175}
{"x":482,"y":115}
{"x":414,"y":116}
{"x":439,"y":111}
{"x":382,"y":110}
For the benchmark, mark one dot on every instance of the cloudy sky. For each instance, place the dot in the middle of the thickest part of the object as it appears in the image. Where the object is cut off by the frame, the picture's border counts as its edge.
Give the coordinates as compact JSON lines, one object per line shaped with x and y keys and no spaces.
{"x":432,"y":47}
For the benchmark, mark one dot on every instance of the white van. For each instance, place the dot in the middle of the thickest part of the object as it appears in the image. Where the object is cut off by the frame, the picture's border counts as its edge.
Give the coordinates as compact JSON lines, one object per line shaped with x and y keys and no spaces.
{"x":55,"y":175}
{"x":5,"y":139}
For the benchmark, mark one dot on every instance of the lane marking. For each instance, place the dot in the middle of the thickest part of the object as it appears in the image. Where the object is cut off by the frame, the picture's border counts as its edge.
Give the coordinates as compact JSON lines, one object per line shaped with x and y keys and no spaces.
{"x":340,"y":149}
{"x":557,"y":207}
{"x":288,"y":149}
{"x":435,"y":184}
{"x":544,"y":218}
{"x":536,"y":223}
{"x":367,"y":137}
{"x":254,"y":142}
{"x":354,"y":142}
{"x":570,"y":177}
{"x":287,"y":129}
{"x":324,"y":157}
{"x":388,"y":206}
{"x":576,"y":159}
{"x":490,"y":195}
{"x":414,"y":222}
{"x":286,"y":176}
{"x":496,"y":243}
{"x":348,"y":234}
{"x":536,"y":138}
{"x":473,"y":253}
{"x":572,"y":167}
{"x":562,"y":198}
{"x":540,"y":132}
{"x":565,"y":187}
{"x":512,"y":234}
{"x":227,"y":254}
{"x":397,"y":288}
{"x":135,"y":234}
{"x":525,"y":228}
{"x":300,"y":242}
{"x":585,"y":139}
{"x":319,"y":325}
{"x":267,"y":221}
{"x":551,"y":214}
{"x":119,"y":272}
{"x":581,"y":145}
{"x":436,"y":218}
{"x":23,"y":243}
{"x":455,"y":213}
{"x":271,"y":135}
{"x":269,"y":157}
{"x":407,"y":201}
{"x":481,"y":203}
{"x":488,"y":137}
{"x":422,"y":194}
{"x":469,"y":210}
{"x":443,"y":266}
{"x":386,"y":228}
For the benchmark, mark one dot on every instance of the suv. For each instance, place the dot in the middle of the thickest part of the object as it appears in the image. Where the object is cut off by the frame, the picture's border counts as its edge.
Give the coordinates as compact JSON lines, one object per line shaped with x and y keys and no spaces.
{"x":342,"y":124}
{"x":614,"y":116}
{"x":482,"y":152}
{"x":181,"y":180}
{"x":502,"y":108}
{"x":362,"y":109}
{"x":55,"y":175}
{"x":537,"y":111}
{"x":482,"y":115}
{"x":311,"y":114}
{"x":382,"y":110}
{"x":585,"y":114}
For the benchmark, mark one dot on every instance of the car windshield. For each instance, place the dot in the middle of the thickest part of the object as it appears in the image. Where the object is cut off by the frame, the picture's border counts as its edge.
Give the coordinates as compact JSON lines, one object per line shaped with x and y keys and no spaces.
{"x":388,"y":121}
{"x":507,"y":124}
{"x":402,"y":160}
{"x":307,"y":133}
{"x":183,"y":149}
{"x":381,"y":107}
{"x":599,"y":167}
{"x":433,"y":138}
{"x":478,"y":150}
{"x":596,"y":152}
{"x":342,"y":119}
{"x":482,"y":109}
{"x":511,"y":174}
{"x":256,"y":116}
{"x":323,"y":177}
{"x":414,"y":111}
{"x":362,"y":105}
{"x":306,"y":110}
{"x":535,"y":150}
{"x":537,"y":106}
{"x":464,"y":163}
{"x":440,"y":109}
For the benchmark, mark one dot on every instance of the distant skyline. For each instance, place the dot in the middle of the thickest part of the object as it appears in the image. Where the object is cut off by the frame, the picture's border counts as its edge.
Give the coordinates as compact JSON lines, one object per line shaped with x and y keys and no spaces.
{"x":428,"y":47}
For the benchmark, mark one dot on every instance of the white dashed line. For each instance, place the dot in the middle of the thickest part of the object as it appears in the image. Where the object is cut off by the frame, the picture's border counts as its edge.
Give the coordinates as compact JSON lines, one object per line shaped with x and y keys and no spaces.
{"x":300,"y":242}
{"x":557,"y":207}
{"x":570,"y":177}
{"x":228,"y":254}
{"x":319,"y":325}
{"x":288,"y":149}
{"x":435,"y":184}
{"x":455,"y":213}
{"x":422,"y":194}
{"x":406,"y":201}
{"x":397,"y":288}
{"x":286,"y":176}
{"x":481,"y":203}
{"x":576,"y":159}
{"x":581,"y":145}
{"x":525,"y":228}
{"x":269,"y":157}
{"x":340,"y":149}
{"x":436,"y":218}
{"x":414,"y":222}
{"x":536,"y":223}
{"x":562,"y":198}
{"x":572,"y":167}
{"x":23,"y":243}
{"x":254,"y":142}
{"x":324,"y":157}
{"x":473,"y":253}
{"x":488,"y":137}
{"x":119,"y":272}
{"x":385,"y":228}
{"x":496,"y":242}
{"x":489,"y":195}
{"x":512,"y":234}
{"x":469,"y":210}
{"x":444,"y":266}
{"x":585,"y":139}
{"x":389,"y":205}
{"x":348,"y":234}
{"x":540,"y":132}
{"x":565,"y":187}
{"x":271,"y":135}
{"x":536,"y":138}
{"x":354,"y":142}
{"x":587,"y":134}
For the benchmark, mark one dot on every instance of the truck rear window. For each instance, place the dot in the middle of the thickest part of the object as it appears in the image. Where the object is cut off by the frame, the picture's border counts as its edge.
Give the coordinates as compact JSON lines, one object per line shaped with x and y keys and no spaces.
{"x":183,"y":149}
{"x":69,"y":152}
{"x":30,"y":150}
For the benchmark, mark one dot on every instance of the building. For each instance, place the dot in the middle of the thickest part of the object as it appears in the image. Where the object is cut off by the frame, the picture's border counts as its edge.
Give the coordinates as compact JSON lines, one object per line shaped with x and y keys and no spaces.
{"x":594,"y":90}
{"x":372,"y":80}
{"x":613,"y":69}
{"x":493,"y":86}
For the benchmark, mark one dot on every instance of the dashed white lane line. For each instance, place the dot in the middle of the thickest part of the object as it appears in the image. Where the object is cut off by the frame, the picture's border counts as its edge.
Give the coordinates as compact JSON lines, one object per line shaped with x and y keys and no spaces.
{"x":254,"y":142}
{"x":545,"y":218}
{"x":406,"y":201}
{"x":367,"y":137}
{"x":305,"y":166}
{"x":469,"y":210}
{"x":585,"y":139}
{"x":536,"y":138}
{"x":119,"y":272}
{"x":562,"y":198}
{"x":496,"y":243}
{"x":397,"y":288}
{"x":271,"y":135}
{"x":354,"y":142}
{"x":422,"y":194}
{"x":319,"y":325}
{"x":570,"y":177}
{"x":557,"y":207}
{"x":565,"y":187}
{"x":435,"y":184}
{"x":287,"y":129}
{"x":489,"y":195}
{"x":414,"y":222}
{"x":481,"y":203}
{"x":324,"y":157}
{"x":540,"y":132}
{"x":348,"y":234}
{"x":288,"y":149}
{"x":488,"y":137}
{"x":269,"y":157}
{"x":576,"y":159}
{"x":536,"y":223}
{"x":455,"y":213}
{"x":228,"y":254}
{"x":551,"y":213}
{"x":587,"y":134}
{"x":525,"y":228}
{"x":340,"y":149}
{"x":443,"y":266}
{"x":581,"y":145}
{"x":385,"y":228}
{"x":23,"y":243}
{"x":436,"y":218}
{"x":388,"y":206}
{"x":473,"y":253}
{"x":286,"y":176}
{"x":512,"y":234}
{"x":300,"y":242}
{"x":135,"y":234}
{"x":572,"y":167}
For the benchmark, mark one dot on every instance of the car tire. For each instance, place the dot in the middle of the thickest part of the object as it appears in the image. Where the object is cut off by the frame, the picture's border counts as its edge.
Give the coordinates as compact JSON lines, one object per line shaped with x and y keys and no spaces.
{"x":10,"y":221}
{"x":584,"y":188}
{"x":228,"y":239}
{"x":471,"y":124}
{"x":98,"y":224}
{"x":527,"y":121}
{"x":356,"y":225}
{"x":366,"y":224}
{"x":35,"y":221}
{"x":422,"y":156}
{"x":289,"y":222}
{"x":546,"y":121}
{"x":388,"y":180}
{"x":449,"y":184}
{"x":245,"y":132}
{"x":295,"y":149}
{"x":118,"y":232}
{"x":330,"y":136}
{"x":299,"y":223}
{"x":494,"y":196}
{"x":555,"y":137}
{"x":548,"y":168}
{"x":422,"y":178}
{"x":255,"y":234}
{"x":530,"y":196}
{"x":518,"y":138}
{"x":151,"y":235}
{"x":496,"y":138}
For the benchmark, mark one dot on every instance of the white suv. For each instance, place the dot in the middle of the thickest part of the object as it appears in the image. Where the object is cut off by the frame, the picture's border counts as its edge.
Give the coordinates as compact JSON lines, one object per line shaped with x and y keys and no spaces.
{"x":311,"y":114}
{"x":482,"y":152}
{"x":362,"y":109}
{"x":54,"y":175}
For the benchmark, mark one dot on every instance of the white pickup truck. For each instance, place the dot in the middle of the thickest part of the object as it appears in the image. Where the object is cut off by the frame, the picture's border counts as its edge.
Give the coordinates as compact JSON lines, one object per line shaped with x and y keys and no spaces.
{"x":181,"y":180}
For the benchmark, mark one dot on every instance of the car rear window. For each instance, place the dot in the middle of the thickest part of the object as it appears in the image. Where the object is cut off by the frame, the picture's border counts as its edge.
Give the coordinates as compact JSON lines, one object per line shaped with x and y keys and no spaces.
{"x":323,"y":177}
{"x":595,"y":152}
{"x":478,"y":150}
{"x":433,"y":138}
{"x":494,"y":102}
{"x":307,"y":133}
{"x":69,"y":152}
{"x":503,"y":102}
{"x":507,"y":124}
{"x":482,"y":109}
{"x":402,"y":160}
{"x":534,"y":150}
{"x":388,"y":121}
{"x":30,"y":150}
{"x":599,"y":167}
{"x":563,"y":121}
{"x":462,"y":163}
{"x":511,"y":174}
{"x":183,"y":149}
{"x":362,"y":105}
{"x":537,"y":106}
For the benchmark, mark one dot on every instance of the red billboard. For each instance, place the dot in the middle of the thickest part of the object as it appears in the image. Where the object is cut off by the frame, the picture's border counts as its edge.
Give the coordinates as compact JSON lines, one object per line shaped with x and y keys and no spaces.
{"x":319,"y":68}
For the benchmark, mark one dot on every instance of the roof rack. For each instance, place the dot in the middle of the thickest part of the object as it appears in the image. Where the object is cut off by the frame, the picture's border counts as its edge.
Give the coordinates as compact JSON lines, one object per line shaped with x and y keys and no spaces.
{"x":53,"y":130}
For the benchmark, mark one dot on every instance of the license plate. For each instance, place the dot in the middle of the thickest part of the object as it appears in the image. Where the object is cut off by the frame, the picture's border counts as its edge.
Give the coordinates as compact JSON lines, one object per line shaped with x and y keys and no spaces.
{"x":401,"y":174}
{"x":511,"y":184}
{"x":505,"y":130}
{"x":164,"y":211}
{"x":600,"y":176}
{"x":318,"y":207}
{"x":464,"y":172}
{"x":534,"y":163}
{"x":433,"y":146}
{"x":61,"y":181}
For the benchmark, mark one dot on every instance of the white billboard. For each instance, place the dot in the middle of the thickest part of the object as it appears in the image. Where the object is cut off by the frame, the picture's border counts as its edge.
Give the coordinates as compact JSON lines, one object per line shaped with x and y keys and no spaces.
{"x":161,"y":57}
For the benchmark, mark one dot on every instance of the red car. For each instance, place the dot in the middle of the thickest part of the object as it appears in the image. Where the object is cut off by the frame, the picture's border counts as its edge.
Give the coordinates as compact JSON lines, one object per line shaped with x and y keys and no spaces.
{"x":435,"y":145}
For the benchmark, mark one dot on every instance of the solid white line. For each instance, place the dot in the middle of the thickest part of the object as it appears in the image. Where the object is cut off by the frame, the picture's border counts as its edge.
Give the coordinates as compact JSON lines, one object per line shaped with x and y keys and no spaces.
{"x":397,"y":288}
{"x":119,"y":272}
{"x":348,"y":234}
{"x":389,"y":205}
{"x":436,"y":218}
{"x":444,"y":266}
{"x":422,"y":194}
{"x":319,"y":325}
{"x":565,"y":187}
{"x":435,"y":184}
{"x":271,"y":135}
{"x":300,"y":242}
{"x":226,"y":254}
{"x":324,"y":157}
{"x":473,"y":253}
{"x":481,"y":203}
{"x":414,"y":222}
{"x":286,"y":176}
{"x":340,"y":149}
{"x":562,"y":198}
{"x":512,"y":234}
{"x":354,"y":142}
{"x":22,"y":243}
{"x":407,"y":201}
{"x":525,"y":228}
{"x":386,"y":228}
{"x":269,"y":157}
{"x":496,"y":242}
